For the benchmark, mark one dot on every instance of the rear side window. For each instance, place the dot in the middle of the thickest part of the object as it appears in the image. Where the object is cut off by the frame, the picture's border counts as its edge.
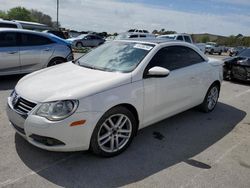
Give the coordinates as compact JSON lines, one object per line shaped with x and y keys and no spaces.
{"x":175,"y":57}
{"x":133,"y":36}
{"x":8,"y":39}
{"x":34,"y":40}
{"x":8,"y":25}
{"x":187,"y":39}
{"x":179,"y":38}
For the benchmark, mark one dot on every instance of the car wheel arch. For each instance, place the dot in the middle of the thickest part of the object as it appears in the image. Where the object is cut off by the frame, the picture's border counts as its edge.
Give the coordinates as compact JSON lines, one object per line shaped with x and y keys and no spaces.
{"x":217,"y":82}
{"x":56,"y":58}
{"x":131,"y":108}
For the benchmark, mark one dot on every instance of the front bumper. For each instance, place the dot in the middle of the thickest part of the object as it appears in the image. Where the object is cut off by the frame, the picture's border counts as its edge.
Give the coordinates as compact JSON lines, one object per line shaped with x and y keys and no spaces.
{"x":55,"y":136}
{"x":70,"y":57}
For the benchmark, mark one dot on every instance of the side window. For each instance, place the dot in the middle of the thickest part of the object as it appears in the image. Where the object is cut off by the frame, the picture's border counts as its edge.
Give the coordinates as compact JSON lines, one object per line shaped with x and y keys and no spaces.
{"x":179,"y":38}
{"x":8,"y":25}
{"x":187,"y":39}
{"x":87,"y":37}
{"x":34,"y":40}
{"x":133,"y":36}
{"x":175,"y":57}
{"x":92,"y":37}
{"x":8,"y":39}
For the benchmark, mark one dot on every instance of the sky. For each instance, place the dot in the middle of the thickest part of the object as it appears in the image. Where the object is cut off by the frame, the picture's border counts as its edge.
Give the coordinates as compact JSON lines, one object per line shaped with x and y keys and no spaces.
{"x":222,"y":17}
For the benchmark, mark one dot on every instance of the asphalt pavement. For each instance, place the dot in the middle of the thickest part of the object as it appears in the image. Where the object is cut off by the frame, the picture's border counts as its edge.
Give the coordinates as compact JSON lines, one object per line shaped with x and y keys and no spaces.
{"x":192,"y":149}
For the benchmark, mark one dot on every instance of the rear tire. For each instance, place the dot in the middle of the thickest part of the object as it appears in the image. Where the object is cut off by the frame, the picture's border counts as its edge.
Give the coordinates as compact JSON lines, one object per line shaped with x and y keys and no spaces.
{"x":114,"y":132}
{"x":79,"y":45}
{"x":210,"y":99}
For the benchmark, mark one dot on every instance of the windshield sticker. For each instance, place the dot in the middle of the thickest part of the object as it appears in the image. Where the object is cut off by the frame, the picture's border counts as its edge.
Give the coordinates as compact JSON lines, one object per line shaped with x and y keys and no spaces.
{"x":143,"y":47}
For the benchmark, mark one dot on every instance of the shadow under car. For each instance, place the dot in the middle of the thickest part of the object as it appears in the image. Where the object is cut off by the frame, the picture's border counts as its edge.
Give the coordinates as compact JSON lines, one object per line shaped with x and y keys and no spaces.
{"x":155,"y":148}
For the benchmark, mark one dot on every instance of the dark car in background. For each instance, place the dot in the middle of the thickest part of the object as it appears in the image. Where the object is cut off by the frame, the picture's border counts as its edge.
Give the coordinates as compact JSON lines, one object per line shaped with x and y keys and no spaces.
{"x":235,"y":51}
{"x":61,"y":34}
{"x":238,"y":67}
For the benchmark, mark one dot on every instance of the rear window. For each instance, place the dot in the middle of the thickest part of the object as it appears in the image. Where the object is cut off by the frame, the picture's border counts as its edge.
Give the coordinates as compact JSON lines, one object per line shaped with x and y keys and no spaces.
{"x":187,"y":39}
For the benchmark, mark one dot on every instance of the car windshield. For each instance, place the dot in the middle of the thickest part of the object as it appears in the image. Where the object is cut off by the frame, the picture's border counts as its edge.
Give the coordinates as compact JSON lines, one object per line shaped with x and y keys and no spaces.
{"x":245,"y":53}
{"x":116,"y":56}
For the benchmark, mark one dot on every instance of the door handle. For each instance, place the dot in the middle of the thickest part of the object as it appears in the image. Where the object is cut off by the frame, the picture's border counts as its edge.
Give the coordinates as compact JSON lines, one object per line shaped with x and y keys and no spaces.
{"x":47,"y":49}
{"x":14,"y":52}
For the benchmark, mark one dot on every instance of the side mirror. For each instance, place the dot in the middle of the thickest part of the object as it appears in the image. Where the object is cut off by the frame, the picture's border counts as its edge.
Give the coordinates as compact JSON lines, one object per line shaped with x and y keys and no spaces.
{"x":157,"y":72}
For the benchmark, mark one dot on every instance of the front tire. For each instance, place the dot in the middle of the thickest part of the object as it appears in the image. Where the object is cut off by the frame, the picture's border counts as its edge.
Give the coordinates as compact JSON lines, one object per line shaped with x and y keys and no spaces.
{"x":113,"y":133}
{"x":210,"y":99}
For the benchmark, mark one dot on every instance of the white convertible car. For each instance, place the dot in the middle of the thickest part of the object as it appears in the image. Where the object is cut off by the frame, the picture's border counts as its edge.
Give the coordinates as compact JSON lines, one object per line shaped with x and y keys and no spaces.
{"x":100,"y":101}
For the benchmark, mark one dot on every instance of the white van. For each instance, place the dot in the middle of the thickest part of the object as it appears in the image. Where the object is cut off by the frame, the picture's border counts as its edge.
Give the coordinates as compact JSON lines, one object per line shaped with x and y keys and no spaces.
{"x":10,"y":24}
{"x":23,"y":25}
{"x":131,"y":35}
{"x":181,"y":36}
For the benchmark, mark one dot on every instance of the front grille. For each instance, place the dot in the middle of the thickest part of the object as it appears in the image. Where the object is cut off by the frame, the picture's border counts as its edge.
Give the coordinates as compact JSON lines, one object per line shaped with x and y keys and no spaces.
{"x":22,"y":105}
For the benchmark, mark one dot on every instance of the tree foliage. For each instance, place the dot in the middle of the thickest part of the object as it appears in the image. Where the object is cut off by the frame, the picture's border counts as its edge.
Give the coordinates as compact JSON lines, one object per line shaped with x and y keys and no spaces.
{"x":23,"y":14}
{"x":3,"y":15}
{"x":20,"y":13}
{"x":41,"y":17}
{"x":205,"y":39}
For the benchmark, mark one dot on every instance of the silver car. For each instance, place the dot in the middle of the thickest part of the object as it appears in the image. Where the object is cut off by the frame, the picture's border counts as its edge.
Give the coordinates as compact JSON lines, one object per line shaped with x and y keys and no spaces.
{"x":23,"y":51}
{"x":89,"y":40}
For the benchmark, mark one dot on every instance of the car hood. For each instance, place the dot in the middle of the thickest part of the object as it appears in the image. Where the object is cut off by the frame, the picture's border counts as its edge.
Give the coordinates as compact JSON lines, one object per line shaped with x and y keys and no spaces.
{"x":209,"y":46}
{"x":68,"y":81}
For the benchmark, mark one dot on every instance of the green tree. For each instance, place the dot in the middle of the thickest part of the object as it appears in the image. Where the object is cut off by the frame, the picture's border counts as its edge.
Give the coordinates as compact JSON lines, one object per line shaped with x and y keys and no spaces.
{"x":20,"y":13}
{"x":205,"y":39}
{"x":3,"y":15}
{"x":41,"y":17}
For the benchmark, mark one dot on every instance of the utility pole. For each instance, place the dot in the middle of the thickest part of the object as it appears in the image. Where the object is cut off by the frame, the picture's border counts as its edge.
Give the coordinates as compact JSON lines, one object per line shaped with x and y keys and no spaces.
{"x":57,"y":13}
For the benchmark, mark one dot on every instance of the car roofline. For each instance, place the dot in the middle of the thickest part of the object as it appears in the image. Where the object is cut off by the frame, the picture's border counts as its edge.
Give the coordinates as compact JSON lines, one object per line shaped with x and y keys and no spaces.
{"x":48,"y":35}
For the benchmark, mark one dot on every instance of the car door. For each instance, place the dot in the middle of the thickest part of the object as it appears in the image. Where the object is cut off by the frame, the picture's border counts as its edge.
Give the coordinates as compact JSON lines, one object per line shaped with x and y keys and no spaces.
{"x":166,"y":96}
{"x":87,"y":41}
{"x":9,"y":53}
{"x":35,"y":51}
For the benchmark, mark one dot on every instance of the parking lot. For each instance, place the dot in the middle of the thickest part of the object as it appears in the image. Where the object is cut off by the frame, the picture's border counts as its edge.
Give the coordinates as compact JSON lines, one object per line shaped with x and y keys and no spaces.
{"x":192,"y":149}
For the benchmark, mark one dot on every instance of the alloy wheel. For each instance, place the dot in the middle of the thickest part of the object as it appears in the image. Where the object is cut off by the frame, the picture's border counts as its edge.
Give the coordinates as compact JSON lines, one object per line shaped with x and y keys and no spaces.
{"x":114,"y":133}
{"x":212,"y":97}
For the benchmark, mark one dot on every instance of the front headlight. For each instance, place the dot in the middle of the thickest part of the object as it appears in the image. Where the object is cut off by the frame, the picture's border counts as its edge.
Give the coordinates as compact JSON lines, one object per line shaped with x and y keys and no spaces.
{"x":58,"y":110}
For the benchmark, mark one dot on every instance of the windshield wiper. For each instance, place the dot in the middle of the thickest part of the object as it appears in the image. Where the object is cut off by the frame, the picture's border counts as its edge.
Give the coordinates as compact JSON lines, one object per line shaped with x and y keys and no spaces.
{"x":88,"y":66}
